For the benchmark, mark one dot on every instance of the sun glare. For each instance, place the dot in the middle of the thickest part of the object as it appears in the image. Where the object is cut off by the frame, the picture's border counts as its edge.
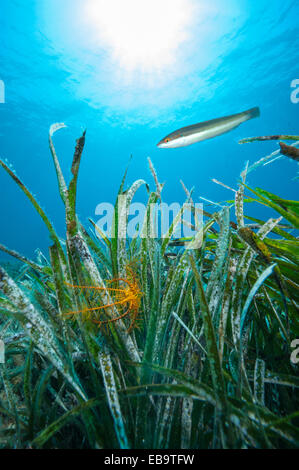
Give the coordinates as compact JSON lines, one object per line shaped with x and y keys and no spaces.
{"x":143,"y":34}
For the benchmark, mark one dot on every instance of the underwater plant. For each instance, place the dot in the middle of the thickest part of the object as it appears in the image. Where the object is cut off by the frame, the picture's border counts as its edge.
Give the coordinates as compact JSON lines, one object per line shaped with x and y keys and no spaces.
{"x":209,"y":365}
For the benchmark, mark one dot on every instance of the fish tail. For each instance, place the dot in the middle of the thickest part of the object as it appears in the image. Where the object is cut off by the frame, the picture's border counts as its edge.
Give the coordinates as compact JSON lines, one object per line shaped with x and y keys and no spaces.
{"x":253,"y":113}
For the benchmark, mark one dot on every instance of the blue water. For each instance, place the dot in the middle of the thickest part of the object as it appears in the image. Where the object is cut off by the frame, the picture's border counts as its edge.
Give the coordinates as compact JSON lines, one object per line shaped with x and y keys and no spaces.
{"x":236,"y":55}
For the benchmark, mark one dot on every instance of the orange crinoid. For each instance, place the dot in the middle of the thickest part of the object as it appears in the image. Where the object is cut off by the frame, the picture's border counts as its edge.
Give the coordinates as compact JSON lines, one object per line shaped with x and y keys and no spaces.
{"x":125,"y":295}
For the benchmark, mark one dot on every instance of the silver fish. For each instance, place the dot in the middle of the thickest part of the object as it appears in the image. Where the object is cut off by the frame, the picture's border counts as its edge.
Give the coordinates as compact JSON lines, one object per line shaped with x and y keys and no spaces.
{"x":206,"y":130}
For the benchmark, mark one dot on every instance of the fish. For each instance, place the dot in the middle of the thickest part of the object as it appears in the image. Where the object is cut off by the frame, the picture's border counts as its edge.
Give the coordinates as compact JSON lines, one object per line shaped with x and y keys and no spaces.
{"x":206,"y":130}
{"x":289,"y":151}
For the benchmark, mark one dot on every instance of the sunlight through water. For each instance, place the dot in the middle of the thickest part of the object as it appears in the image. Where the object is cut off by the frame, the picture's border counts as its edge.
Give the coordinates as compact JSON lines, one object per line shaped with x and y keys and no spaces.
{"x":139,"y":34}
{"x":140,"y":61}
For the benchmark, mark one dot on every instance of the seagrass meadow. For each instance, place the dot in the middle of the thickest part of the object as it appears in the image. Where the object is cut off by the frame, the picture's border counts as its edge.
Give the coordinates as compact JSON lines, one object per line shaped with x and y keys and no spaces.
{"x":147,"y":344}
